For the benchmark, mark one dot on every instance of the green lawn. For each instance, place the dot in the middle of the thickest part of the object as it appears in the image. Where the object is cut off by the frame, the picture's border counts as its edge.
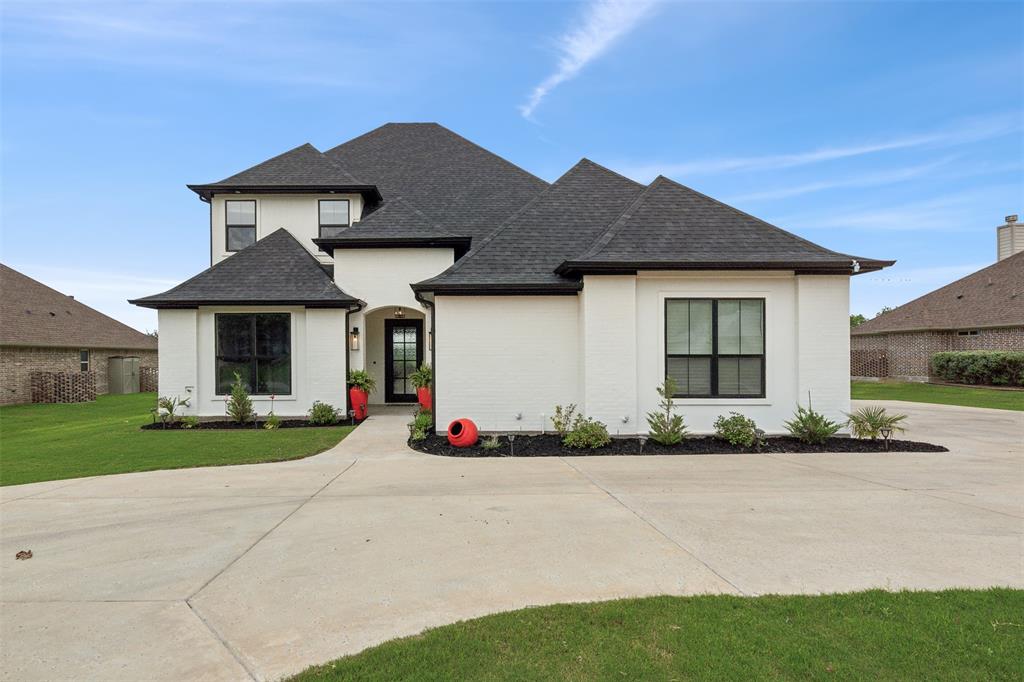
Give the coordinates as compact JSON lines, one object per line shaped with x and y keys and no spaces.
{"x":50,"y":442}
{"x":968,"y":396}
{"x":952,"y":635}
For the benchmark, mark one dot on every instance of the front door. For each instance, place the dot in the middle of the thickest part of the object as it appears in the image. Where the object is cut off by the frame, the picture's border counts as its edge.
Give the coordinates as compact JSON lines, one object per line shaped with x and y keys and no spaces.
{"x":403,"y":353}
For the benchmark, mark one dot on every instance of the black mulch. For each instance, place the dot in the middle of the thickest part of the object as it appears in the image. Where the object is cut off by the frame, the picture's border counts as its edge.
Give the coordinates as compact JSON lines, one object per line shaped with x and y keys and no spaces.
{"x":551,"y":446}
{"x":221,"y":425}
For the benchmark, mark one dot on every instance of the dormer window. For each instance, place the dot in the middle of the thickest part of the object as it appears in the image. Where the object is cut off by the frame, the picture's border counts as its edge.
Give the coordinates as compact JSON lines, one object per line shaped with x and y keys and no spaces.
{"x":240,"y":218}
{"x":333,"y":217}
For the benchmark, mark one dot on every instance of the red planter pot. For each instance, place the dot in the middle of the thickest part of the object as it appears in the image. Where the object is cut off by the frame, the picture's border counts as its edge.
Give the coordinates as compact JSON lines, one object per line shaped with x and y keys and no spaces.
{"x":462,"y":433}
{"x":359,"y":399}
{"x":424,"y":398}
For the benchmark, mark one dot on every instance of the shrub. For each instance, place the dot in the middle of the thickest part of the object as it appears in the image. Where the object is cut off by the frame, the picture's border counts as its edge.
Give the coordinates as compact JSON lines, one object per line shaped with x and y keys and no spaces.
{"x":358,"y":378}
{"x":810,"y":426}
{"x":189,"y":422}
{"x":420,"y":426}
{"x":422,"y":377}
{"x":273,"y":422}
{"x":491,"y":443}
{"x":239,"y":404}
{"x":999,"y":368}
{"x":562,"y":421}
{"x":322,"y":414}
{"x":868,"y":422}
{"x":586,"y":433}
{"x":666,"y":428}
{"x":738,"y":430}
{"x":416,"y":434}
{"x":166,"y":409}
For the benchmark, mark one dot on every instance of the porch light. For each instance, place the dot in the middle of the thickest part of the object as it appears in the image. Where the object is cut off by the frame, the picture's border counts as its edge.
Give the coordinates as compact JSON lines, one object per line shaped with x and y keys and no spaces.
{"x":399,"y":313}
{"x":430,"y":340}
{"x":353,"y":339}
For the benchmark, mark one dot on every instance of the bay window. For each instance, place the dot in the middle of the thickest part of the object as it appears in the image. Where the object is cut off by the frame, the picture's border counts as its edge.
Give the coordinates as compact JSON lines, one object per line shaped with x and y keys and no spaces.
{"x":714,"y":348}
{"x":256,"y":346}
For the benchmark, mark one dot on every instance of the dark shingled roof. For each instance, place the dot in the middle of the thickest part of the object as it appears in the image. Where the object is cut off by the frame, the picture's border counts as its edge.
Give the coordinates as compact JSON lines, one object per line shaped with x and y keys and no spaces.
{"x":559,"y":223}
{"x":276,"y":270}
{"x":991,"y":297}
{"x":396,"y":222}
{"x":33,"y":314}
{"x":671,"y":226}
{"x":457,"y":183}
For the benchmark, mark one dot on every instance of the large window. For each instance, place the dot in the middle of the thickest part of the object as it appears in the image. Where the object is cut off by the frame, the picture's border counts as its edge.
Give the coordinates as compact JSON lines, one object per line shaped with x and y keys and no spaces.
{"x":333,"y":217}
{"x":240,"y":218}
{"x":256,"y":346}
{"x":714,"y":348}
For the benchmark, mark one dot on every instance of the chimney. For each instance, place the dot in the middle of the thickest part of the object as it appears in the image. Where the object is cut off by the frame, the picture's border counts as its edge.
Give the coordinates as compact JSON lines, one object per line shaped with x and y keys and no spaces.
{"x":1009,"y":238}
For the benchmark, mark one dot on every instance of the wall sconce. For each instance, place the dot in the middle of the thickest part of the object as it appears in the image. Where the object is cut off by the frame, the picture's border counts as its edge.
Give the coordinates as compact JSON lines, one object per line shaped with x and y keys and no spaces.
{"x":399,"y":313}
{"x":353,"y":339}
{"x":430,"y":340}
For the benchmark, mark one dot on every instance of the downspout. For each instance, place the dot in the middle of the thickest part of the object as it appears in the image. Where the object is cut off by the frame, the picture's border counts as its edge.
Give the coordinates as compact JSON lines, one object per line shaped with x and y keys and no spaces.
{"x":348,"y":354}
{"x":433,"y":353}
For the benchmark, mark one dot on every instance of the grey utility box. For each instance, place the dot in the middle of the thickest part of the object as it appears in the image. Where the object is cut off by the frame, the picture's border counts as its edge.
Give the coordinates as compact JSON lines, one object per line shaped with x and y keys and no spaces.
{"x":122,"y":374}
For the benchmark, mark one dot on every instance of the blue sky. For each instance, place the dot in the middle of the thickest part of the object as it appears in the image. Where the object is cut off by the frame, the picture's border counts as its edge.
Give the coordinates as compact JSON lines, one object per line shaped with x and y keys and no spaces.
{"x":889,"y":130}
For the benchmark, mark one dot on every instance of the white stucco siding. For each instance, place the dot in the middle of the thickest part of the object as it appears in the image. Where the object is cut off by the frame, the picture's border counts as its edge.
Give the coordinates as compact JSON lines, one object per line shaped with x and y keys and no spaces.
{"x":499,"y":356}
{"x":381,"y":277}
{"x":779,"y":294}
{"x":178,"y":357}
{"x":609,"y":317}
{"x":297,"y":213}
{"x":823,"y":343}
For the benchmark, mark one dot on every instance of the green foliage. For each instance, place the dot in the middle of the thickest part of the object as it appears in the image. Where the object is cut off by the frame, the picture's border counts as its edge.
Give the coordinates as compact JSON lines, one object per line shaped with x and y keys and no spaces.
{"x":563,"y":419}
{"x":810,"y":426}
{"x":239,"y":404}
{"x":856,"y":320}
{"x":666,"y":428}
{"x":738,"y":430}
{"x":586,"y":433}
{"x":491,"y":443}
{"x":189,"y":422}
{"x":421,"y":425}
{"x":423,"y":377}
{"x":322,"y":414}
{"x":273,"y":422}
{"x":166,"y":409}
{"x":998,"y":368}
{"x":868,"y":422}
{"x":359,"y":378}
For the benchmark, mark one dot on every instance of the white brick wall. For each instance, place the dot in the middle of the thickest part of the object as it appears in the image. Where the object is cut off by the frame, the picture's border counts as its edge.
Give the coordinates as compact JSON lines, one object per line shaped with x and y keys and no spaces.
{"x":823,"y":343}
{"x":610,"y":351}
{"x":178,"y":355}
{"x":325,"y":357}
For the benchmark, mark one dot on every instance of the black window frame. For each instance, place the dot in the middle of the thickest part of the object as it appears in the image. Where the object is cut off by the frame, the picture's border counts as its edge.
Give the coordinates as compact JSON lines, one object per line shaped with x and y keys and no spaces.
{"x":715,"y":356}
{"x":84,"y":360}
{"x":254,"y":356}
{"x":319,"y":216}
{"x":228,"y":226}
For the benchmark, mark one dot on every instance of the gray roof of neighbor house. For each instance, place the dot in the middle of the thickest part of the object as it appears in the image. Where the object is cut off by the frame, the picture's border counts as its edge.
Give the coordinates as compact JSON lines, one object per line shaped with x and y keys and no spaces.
{"x":33,"y":314}
{"x":559,"y":223}
{"x":670,"y":226}
{"x":991,"y":297}
{"x":460,"y":185}
{"x":302,"y":168}
{"x":276,"y":270}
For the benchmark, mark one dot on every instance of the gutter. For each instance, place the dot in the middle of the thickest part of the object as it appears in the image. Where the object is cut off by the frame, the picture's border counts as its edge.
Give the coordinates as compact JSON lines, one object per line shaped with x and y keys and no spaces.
{"x":348,"y":353}
{"x":433,"y":352}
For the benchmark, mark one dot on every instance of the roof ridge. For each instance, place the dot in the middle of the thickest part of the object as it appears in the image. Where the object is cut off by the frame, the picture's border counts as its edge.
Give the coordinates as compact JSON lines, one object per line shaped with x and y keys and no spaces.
{"x":619,"y":221}
{"x":266,"y":161}
{"x":608,"y":170}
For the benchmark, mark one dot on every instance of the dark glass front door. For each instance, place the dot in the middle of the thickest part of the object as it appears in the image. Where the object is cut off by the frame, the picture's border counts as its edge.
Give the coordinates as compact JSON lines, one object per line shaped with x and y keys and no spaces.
{"x":403,"y":353}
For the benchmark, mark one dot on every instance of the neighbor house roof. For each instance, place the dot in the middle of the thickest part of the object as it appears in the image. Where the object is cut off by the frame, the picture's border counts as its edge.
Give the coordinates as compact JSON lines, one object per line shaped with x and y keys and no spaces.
{"x":304,"y":168}
{"x":276,"y":270}
{"x":991,"y":297}
{"x":33,"y":314}
{"x":670,"y":226}
{"x":460,"y":185}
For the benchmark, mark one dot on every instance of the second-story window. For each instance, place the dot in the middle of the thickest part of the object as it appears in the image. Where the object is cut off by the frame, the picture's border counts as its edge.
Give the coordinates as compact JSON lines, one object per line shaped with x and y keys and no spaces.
{"x":240,"y":218}
{"x":333,"y":217}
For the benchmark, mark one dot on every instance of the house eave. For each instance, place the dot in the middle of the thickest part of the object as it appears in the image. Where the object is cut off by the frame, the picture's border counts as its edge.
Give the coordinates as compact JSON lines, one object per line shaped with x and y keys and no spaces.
{"x":924,"y":330}
{"x":497,"y":289}
{"x":206,"y":192}
{"x":328,"y":245}
{"x":576,"y":268}
{"x":184,"y":305}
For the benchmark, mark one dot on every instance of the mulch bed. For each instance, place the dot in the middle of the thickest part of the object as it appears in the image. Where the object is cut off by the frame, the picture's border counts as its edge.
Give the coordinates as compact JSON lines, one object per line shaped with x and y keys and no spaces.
{"x":551,"y":446}
{"x":222,"y":425}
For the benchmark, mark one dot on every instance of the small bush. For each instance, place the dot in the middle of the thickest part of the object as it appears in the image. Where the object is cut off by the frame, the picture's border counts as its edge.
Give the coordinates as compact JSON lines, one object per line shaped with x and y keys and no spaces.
{"x":563,"y":419}
{"x":322,"y":414}
{"x":868,"y":422}
{"x":491,"y":443}
{"x":189,"y":422}
{"x":811,"y":427}
{"x":239,"y":404}
{"x":738,"y":430}
{"x":666,"y":428}
{"x":273,"y":422}
{"x":586,"y":433}
{"x":166,"y":409}
{"x":998,"y":368}
{"x":423,"y":421}
{"x":417,"y":435}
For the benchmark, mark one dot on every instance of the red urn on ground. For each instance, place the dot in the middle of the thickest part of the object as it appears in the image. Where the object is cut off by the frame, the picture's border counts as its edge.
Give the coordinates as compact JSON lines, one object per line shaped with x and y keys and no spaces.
{"x":462,"y":433}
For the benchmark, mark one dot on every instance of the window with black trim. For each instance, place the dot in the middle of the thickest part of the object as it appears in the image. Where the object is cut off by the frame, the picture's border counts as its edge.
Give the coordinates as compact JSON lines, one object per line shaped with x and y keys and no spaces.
{"x":83,"y":360}
{"x":714,"y":348}
{"x":240,"y":219}
{"x":258,"y":347}
{"x":333,"y":217}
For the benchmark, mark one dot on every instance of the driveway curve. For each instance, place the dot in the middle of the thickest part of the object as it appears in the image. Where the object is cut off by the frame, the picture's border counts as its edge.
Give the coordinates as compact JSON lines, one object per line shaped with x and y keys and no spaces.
{"x":257,"y":571}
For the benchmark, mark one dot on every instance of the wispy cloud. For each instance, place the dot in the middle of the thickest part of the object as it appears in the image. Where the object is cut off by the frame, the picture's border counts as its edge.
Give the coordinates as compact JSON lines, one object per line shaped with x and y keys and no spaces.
{"x":964,"y":132}
{"x":603,"y":22}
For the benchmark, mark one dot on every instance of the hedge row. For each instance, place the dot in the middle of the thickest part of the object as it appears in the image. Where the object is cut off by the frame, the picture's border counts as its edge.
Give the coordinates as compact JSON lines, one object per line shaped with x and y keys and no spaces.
{"x":998,"y":368}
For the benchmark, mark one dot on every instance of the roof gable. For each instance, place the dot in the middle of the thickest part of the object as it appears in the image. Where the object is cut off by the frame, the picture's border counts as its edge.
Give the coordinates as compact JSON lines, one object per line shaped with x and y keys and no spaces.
{"x":990,"y":297}
{"x":33,"y":314}
{"x":274,"y":270}
{"x":303,"y":165}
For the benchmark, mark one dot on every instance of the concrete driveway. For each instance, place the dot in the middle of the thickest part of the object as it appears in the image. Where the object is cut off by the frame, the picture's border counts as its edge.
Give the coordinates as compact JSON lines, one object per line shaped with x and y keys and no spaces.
{"x":255,"y":572}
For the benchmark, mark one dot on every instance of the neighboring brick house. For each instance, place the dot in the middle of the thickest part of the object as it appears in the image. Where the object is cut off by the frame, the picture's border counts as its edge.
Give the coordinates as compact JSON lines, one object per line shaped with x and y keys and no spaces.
{"x":43,"y":330}
{"x":983,"y":311}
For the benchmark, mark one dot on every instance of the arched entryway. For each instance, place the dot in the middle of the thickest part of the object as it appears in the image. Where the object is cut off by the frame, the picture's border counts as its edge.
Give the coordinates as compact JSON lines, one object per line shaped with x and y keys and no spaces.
{"x":396,"y":344}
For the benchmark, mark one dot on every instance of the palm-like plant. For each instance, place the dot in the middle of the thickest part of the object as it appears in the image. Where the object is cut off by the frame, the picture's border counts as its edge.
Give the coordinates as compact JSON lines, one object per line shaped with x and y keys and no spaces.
{"x":869,"y":422}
